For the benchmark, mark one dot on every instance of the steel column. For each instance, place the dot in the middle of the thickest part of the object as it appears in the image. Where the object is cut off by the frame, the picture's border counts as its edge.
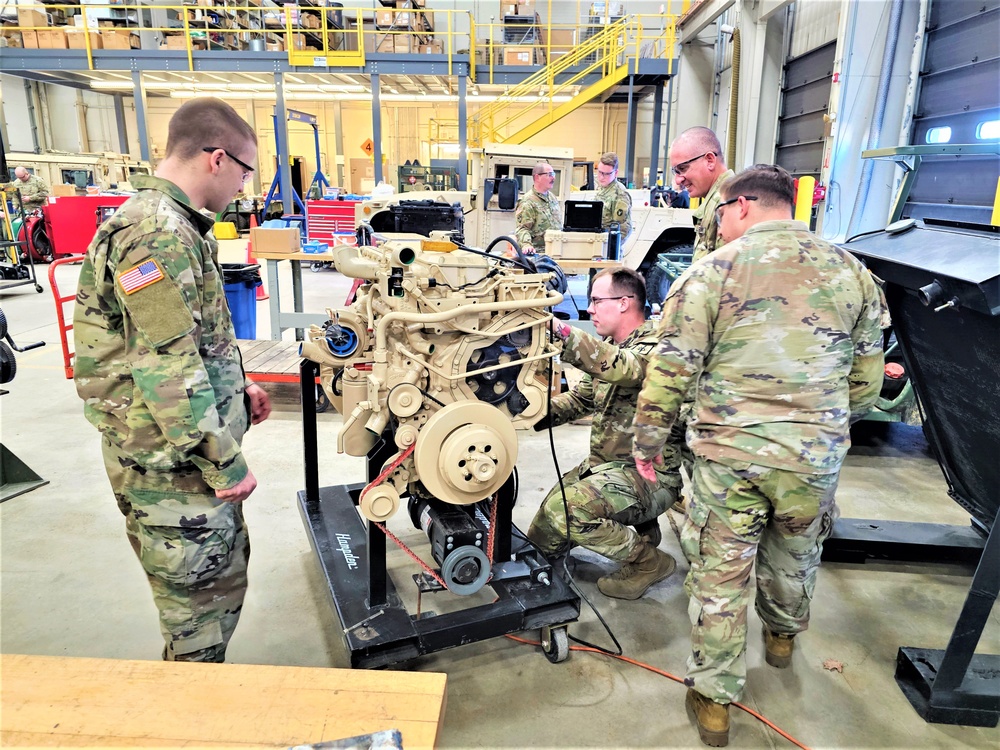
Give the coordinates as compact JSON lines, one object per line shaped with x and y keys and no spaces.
{"x":463,"y":139}
{"x":377,"y":126}
{"x":139,"y":97}
{"x":281,"y":145}
{"x":120,"y":123}
{"x":654,"y":151}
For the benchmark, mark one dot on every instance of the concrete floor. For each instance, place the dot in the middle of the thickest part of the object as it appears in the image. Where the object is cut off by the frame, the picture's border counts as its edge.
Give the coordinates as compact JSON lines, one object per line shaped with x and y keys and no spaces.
{"x":71,"y":586}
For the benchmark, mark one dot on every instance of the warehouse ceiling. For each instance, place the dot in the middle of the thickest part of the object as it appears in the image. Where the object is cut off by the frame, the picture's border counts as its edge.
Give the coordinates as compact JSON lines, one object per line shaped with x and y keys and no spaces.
{"x":298,"y":86}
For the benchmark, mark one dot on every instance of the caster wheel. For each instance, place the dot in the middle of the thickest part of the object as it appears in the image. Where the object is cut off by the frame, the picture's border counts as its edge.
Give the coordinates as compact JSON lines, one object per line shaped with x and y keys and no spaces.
{"x":38,"y":288}
{"x":316,"y":267}
{"x":555,"y":643}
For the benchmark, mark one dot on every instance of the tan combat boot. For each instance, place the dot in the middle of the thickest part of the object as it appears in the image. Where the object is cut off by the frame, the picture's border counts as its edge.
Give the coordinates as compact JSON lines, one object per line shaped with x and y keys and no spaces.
{"x":632,"y":579}
{"x":712,"y":718}
{"x":778,"y":648}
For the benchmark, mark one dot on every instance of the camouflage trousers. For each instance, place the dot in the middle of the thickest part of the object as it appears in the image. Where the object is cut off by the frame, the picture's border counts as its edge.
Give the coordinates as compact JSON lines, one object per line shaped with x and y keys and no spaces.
{"x":738,"y":514}
{"x":603,"y":503}
{"x":194,"y":549}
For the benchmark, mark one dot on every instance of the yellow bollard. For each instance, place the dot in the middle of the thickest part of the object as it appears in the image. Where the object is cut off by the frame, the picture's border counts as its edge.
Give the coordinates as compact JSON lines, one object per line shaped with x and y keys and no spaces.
{"x":804,"y":199}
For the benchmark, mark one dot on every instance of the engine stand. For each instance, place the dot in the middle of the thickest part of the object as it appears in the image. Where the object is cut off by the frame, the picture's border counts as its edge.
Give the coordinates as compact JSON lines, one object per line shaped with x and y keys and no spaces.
{"x":378,"y":629}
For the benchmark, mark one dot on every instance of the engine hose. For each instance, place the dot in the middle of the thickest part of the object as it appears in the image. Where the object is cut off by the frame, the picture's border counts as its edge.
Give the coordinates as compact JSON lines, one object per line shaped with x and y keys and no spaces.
{"x":513,"y":243}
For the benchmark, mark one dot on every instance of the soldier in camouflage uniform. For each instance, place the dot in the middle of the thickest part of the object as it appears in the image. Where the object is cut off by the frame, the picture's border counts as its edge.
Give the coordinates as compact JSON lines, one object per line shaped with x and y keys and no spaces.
{"x":780,"y":332}
{"x":162,"y":379}
{"x":700,"y":168}
{"x":33,"y":189}
{"x":605,"y":497}
{"x":537,"y":210}
{"x":616,"y":199}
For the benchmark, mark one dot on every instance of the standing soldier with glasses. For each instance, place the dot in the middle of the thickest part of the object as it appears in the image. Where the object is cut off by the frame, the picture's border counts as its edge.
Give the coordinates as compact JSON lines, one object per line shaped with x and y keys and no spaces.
{"x":537,"y":210}
{"x":162,"y":379}
{"x":616,"y":199}
{"x":700,"y":168}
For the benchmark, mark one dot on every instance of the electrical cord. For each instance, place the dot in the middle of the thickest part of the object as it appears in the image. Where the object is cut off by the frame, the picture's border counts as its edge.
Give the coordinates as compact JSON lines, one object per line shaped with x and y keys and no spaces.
{"x":565,"y":561}
{"x":663,"y":673}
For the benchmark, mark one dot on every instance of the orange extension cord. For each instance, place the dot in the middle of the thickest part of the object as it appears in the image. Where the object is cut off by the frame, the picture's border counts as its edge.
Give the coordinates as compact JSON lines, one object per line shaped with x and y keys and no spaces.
{"x":669,"y":676}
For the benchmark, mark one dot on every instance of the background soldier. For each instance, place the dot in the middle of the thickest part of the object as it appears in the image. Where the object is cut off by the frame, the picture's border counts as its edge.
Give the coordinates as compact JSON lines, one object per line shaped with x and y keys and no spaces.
{"x":162,"y":379}
{"x":616,"y":199}
{"x":781,"y":333}
{"x":700,"y":168}
{"x":33,"y":189}
{"x":604,"y":495}
{"x":537,"y":210}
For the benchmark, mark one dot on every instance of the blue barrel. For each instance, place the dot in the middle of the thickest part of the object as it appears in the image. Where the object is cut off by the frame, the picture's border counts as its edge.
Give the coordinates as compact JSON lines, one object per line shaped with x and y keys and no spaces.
{"x":240,"y":282}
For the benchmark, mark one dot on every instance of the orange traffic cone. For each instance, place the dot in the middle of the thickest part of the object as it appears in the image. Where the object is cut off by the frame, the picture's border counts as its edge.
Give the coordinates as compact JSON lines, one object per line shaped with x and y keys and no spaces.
{"x":261,"y":294}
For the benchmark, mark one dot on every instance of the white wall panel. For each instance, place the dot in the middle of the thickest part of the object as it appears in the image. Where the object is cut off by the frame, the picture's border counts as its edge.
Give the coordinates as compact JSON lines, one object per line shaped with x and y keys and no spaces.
{"x":815,"y":24}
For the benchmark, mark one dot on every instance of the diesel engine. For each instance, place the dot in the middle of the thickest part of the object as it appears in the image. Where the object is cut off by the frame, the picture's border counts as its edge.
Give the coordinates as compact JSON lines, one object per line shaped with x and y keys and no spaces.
{"x":445,"y":352}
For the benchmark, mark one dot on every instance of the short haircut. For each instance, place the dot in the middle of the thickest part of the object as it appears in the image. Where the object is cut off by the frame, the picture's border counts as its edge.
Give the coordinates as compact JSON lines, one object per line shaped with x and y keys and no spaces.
{"x":626,"y":282}
{"x":772,"y":185}
{"x":204,"y":122}
{"x":610,"y":159}
{"x":705,"y":139}
{"x":541,"y":167}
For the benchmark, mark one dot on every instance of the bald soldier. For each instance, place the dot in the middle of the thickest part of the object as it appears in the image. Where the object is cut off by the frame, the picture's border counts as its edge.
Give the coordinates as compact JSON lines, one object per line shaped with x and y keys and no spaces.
{"x":33,"y":189}
{"x":162,"y":379}
{"x":780,"y":334}
{"x":700,"y":168}
{"x":537,"y":210}
{"x":611,"y":511}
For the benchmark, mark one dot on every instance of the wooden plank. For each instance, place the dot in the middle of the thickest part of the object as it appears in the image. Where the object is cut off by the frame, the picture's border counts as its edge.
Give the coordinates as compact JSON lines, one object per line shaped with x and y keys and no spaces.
{"x":50,"y":701}
{"x":270,"y":357}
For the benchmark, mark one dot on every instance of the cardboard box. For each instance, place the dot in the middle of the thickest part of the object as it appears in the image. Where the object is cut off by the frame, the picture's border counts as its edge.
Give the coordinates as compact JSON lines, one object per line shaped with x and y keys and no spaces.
{"x":275,"y":46}
{"x":29,"y":39}
{"x":119,"y":39}
{"x":298,"y":41}
{"x":518,"y":55}
{"x":275,"y":240}
{"x":62,"y":191}
{"x":31,"y":17}
{"x":384,"y":17}
{"x":386,"y":44}
{"x":434,"y":48}
{"x":92,"y":23}
{"x":52,"y":39}
{"x":179,"y":41}
{"x":560,"y":37}
{"x":508,"y":9}
{"x":404,"y":43}
{"x":78,"y":39}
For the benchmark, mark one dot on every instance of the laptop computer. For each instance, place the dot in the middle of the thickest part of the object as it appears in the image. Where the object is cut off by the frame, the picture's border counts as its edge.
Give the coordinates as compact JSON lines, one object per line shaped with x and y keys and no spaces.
{"x":583,"y":216}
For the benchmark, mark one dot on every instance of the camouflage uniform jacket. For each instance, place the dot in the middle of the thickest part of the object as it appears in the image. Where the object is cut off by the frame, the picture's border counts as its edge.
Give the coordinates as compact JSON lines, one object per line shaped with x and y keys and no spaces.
{"x":157,"y":366}
{"x":617,"y":207}
{"x":608,"y":389}
{"x":534,"y":214}
{"x":781,"y":332}
{"x":33,"y":192}
{"x":707,"y":236}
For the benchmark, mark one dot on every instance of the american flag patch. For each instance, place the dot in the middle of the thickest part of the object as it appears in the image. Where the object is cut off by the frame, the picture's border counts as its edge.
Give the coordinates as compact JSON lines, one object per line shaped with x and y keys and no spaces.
{"x":140,"y":276}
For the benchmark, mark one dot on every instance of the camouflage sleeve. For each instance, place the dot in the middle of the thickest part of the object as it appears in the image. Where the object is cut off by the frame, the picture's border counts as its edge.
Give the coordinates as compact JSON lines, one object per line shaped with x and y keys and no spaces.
{"x":604,"y":360}
{"x":868,"y":368}
{"x":685,"y":331}
{"x":525,"y":217}
{"x":623,"y":213}
{"x":578,"y":402}
{"x":165,"y":360}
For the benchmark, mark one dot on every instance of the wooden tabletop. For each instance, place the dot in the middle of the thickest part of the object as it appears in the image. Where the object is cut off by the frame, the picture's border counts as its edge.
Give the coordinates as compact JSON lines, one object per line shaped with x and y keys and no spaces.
{"x":324,"y":256}
{"x":62,"y":701}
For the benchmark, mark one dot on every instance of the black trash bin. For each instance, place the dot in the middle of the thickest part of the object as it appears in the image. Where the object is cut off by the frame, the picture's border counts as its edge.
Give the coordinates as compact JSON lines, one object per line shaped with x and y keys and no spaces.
{"x":240,"y":282}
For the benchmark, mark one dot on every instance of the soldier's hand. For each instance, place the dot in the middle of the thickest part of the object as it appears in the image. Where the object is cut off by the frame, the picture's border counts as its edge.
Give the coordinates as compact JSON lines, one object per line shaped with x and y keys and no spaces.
{"x":646,"y":468}
{"x":528,"y":250}
{"x":260,"y":404}
{"x":239,"y":492}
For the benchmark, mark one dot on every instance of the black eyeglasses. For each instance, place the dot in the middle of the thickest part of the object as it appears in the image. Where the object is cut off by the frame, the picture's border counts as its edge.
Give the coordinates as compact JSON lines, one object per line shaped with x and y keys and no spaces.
{"x":606,"y":174}
{"x":685,"y":165}
{"x":247,"y":169}
{"x":546,"y":174}
{"x":594,"y":301}
{"x":718,"y":209}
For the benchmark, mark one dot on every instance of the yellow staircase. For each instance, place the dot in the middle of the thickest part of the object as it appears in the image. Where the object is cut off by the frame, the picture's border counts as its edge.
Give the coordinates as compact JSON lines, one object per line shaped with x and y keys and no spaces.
{"x":509,"y":120}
